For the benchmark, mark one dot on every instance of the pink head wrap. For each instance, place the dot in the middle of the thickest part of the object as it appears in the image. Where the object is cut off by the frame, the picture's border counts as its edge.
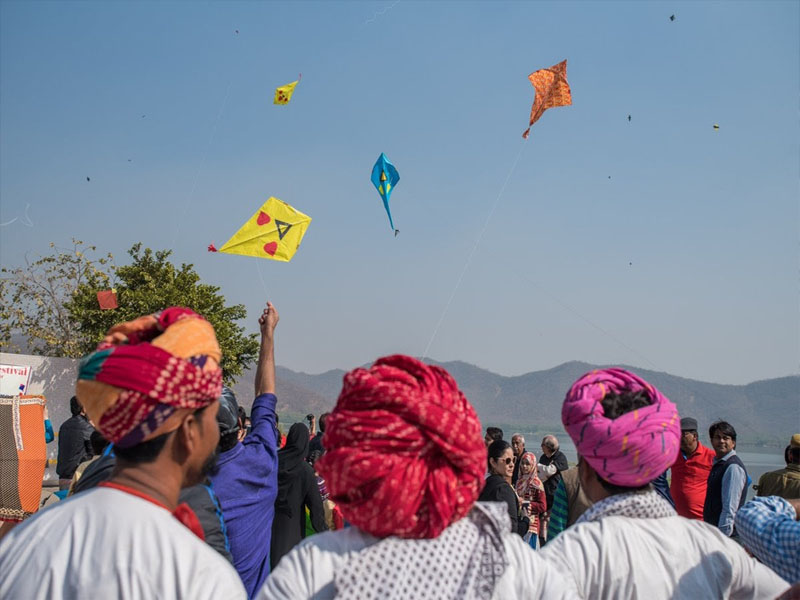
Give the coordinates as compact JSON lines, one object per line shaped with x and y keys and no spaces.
{"x":631,"y":450}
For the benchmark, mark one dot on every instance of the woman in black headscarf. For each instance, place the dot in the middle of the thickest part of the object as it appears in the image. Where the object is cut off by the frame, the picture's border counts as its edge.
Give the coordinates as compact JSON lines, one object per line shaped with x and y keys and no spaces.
{"x":297,"y":489}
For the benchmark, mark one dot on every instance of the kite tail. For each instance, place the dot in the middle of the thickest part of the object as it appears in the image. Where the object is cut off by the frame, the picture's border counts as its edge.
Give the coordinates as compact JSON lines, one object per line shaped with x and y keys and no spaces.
{"x":526,"y":133}
{"x":212,"y":248}
{"x":389,"y":213}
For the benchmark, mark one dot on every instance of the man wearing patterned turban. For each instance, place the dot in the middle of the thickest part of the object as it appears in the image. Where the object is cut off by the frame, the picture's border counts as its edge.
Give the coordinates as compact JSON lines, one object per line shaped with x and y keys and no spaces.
{"x":151,"y":388}
{"x":631,"y":543}
{"x":405,"y":462}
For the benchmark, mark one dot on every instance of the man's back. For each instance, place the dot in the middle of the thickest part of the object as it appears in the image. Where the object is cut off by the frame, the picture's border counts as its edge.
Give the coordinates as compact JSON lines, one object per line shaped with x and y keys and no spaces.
{"x":107,"y":543}
{"x":73,"y":445}
{"x":246,"y":483}
{"x":784,"y":483}
{"x":668,"y":557}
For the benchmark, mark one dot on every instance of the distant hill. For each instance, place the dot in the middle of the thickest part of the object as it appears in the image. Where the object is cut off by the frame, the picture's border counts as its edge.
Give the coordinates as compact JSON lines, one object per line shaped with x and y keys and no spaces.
{"x":762,"y":411}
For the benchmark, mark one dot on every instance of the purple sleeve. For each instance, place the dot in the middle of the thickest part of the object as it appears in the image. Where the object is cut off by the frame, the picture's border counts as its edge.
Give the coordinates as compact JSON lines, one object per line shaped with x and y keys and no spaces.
{"x":262,"y":420}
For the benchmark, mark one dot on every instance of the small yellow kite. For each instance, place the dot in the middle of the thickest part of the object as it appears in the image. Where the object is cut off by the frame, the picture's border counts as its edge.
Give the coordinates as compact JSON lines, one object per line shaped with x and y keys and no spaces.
{"x":284,"y":93}
{"x":552,"y":90}
{"x":275,"y":232}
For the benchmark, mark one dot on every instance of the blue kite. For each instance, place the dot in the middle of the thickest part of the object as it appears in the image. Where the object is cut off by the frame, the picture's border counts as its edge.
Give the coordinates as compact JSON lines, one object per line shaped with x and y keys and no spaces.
{"x":385,"y":178}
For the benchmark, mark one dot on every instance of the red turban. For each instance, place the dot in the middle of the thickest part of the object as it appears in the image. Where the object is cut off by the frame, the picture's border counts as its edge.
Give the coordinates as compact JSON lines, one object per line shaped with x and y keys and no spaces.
{"x":403,"y":450}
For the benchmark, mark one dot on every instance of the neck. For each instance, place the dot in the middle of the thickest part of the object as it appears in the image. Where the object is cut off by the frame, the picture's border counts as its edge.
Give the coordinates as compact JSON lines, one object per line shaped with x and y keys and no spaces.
{"x":149,"y":479}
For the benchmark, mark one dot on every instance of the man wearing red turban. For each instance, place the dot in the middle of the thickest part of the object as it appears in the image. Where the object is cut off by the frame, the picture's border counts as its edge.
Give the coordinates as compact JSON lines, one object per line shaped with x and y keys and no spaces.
{"x":405,"y":462}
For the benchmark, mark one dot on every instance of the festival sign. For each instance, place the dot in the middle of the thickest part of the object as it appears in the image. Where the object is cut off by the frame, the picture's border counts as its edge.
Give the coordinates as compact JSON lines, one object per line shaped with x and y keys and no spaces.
{"x":14,"y":379}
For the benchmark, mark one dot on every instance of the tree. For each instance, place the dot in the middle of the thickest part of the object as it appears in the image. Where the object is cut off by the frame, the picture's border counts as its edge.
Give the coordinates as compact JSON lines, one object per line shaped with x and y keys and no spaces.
{"x":150,"y":283}
{"x":52,"y":302}
{"x":34,"y":299}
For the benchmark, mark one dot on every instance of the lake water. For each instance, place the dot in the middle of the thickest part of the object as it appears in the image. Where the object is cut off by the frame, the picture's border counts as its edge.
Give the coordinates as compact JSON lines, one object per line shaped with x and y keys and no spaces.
{"x":756,"y":463}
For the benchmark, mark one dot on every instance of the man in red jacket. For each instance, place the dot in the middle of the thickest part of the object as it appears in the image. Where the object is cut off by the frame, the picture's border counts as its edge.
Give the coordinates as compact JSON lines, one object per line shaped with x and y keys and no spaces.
{"x":690,"y":472}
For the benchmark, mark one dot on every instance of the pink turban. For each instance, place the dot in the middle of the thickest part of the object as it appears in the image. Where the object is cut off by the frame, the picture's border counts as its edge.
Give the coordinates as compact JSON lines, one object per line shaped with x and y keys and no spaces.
{"x":404,"y":454}
{"x":631,"y":450}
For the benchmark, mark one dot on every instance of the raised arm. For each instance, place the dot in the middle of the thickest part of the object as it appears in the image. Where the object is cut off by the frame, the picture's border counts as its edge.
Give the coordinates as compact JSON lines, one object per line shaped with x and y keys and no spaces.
{"x":265,"y":371}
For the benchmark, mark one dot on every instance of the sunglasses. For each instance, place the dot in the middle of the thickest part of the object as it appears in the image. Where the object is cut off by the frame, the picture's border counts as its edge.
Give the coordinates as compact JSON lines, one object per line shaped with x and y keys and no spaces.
{"x":508,"y":461}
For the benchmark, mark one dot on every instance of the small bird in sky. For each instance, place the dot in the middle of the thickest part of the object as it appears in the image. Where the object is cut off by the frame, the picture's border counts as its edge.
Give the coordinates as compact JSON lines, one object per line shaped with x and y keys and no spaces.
{"x":629,"y":118}
{"x":672,"y":17}
{"x":87,"y":179}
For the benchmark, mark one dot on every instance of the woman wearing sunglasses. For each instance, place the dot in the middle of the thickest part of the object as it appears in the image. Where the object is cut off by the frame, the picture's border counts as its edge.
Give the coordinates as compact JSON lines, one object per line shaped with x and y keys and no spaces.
{"x":498,"y":484}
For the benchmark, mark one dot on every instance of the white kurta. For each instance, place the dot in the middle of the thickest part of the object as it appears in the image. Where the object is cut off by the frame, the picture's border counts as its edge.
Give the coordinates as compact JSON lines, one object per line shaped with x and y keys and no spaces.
{"x":671,"y":557}
{"x":308,"y":570}
{"x":105,"y":543}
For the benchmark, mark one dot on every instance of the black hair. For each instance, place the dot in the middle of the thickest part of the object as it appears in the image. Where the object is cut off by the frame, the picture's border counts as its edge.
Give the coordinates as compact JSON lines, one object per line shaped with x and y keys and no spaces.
{"x":496,"y":449}
{"x":495,"y":433}
{"x":242,"y":413}
{"x":228,"y":441}
{"x":314,"y":456}
{"x":145,"y":452}
{"x":723,"y":428}
{"x":323,"y":418}
{"x":792,"y":455}
{"x":614,"y":406}
{"x":98,"y":442}
{"x":75,"y":406}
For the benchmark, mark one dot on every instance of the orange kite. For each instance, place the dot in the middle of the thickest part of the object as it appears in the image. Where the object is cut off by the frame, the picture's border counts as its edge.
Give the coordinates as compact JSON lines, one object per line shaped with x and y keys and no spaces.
{"x":552,"y":90}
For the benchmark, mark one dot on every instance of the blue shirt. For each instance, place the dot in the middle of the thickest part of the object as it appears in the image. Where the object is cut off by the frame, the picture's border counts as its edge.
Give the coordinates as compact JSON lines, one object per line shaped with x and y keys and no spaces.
{"x":246,"y":483}
{"x":733,"y":482}
{"x":768,"y":527}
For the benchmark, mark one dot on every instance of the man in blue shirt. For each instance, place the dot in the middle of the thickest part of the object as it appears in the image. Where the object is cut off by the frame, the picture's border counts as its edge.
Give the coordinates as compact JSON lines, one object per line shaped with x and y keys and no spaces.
{"x":246,"y":477}
{"x":770,"y":529}
{"x":727,"y":481}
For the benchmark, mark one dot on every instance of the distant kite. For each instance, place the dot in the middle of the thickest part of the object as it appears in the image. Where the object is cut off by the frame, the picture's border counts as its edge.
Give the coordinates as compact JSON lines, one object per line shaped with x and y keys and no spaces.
{"x":629,"y":118}
{"x":716,"y":127}
{"x":274,"y":231}
{"x":107,"y":299}
{"x":672,"y":17}
{"x":552,"y":90}
{"x":284,"y":93}
{"x":385,"y":178}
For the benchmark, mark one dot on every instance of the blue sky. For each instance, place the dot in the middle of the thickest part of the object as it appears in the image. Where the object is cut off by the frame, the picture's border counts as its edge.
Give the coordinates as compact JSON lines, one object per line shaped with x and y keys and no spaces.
{"x":685,"y":260}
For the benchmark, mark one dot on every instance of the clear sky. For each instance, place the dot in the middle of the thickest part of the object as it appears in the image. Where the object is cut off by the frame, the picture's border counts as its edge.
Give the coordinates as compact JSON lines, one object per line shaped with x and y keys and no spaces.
{"x":684,"y":260}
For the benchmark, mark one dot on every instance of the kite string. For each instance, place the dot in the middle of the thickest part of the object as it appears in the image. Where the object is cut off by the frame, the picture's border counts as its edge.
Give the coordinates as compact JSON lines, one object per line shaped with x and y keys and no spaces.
{"x":261,"y":277}
{"x":202,"y":164}
{"x":472,"y":252}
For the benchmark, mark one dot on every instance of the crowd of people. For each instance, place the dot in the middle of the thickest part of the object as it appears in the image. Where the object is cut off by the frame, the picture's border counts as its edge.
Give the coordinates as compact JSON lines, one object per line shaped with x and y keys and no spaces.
{"x":175,"y":492}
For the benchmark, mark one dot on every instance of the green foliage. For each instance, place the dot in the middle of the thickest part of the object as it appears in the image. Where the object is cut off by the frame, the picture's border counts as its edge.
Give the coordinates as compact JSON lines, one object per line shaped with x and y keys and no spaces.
{"x":151,"y":283}
{"x":34,"y":299}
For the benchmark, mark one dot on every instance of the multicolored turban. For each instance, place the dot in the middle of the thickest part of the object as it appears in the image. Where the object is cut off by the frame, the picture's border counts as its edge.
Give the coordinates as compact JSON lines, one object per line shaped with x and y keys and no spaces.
{"x":631,"y":450}
{"x":404,"y":454}
{"x":148,"y":373}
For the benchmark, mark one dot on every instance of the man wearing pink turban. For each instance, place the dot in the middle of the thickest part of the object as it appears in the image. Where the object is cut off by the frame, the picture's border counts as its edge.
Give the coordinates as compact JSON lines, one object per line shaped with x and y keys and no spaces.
{"x":405,"y":462}
{"x":631,"y":543}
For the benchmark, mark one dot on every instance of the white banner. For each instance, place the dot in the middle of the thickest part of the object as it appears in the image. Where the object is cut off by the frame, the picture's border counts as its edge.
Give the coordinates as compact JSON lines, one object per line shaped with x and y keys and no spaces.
{"x":14,"y":379}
